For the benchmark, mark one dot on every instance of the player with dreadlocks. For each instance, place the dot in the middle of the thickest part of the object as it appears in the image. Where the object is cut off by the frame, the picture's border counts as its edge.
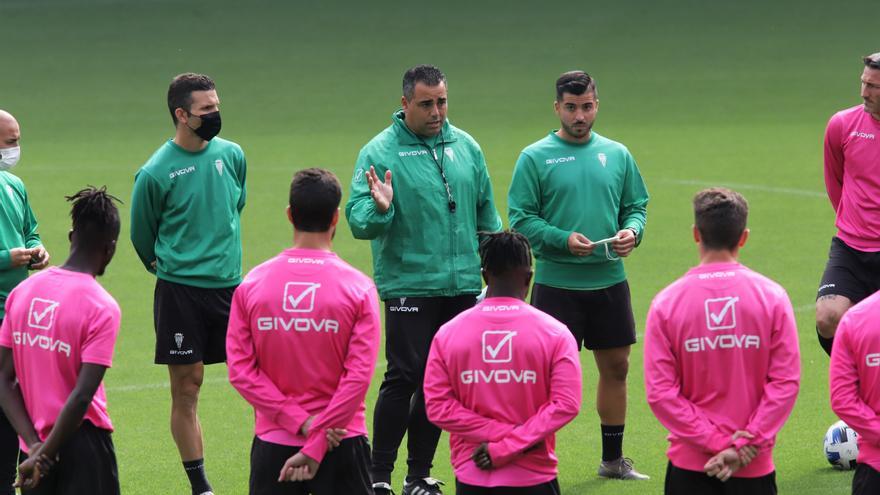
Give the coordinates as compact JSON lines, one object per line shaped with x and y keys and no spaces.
{"x":57,"y":339}
{"x":502,"y":378}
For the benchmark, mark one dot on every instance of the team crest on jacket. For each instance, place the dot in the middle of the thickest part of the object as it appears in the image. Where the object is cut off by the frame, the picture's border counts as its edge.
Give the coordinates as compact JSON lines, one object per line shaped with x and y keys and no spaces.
{"x":602,"y":158}
{"x":218,"y":164}
{"x":450,"y":153}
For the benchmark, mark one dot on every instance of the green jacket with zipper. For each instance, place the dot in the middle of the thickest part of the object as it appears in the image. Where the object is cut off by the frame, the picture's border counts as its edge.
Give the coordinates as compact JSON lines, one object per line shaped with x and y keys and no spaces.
{"x":420,"y":247}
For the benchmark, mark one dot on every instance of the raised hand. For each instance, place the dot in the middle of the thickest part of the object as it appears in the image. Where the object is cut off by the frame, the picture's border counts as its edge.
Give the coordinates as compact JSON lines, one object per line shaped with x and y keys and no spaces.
{"x":382,"y":192}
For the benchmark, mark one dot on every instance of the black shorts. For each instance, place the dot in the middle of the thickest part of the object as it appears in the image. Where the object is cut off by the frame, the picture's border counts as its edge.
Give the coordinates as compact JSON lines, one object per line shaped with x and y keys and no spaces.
{"x":86,"y":464}
{"x":684,"y":482}
{"x":190,"y":323}
{"x":866,"y":481}
{"x":345,"y":469}
{"x":850,"y":273}
{"x":598,"y":319}
{"x":548,"y":488}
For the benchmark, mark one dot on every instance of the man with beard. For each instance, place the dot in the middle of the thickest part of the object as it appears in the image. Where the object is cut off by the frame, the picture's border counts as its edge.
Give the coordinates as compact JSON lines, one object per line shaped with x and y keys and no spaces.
{"x":851,"y":152}
{"x":580,"y":200}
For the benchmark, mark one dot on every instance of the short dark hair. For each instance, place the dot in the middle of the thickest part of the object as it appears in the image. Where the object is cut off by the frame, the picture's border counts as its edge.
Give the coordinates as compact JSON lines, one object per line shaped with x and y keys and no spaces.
{"x":872,"y":60}
{"x":576,"y":82}
{"x":425,"y":74}
{"x":504,"y":252}
{"x":720,"y":215}
{"x":181,"y":89}
{"x":94,"y":214}
{"x":315,"y":194}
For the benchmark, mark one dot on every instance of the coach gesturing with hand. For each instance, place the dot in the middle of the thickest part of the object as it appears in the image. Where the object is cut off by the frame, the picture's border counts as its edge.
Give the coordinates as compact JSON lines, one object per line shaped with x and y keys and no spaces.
{"x":423,"y":231}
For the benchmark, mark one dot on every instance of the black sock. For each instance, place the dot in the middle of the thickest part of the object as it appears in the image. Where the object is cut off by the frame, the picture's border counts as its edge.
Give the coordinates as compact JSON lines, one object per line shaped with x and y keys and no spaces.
{"x":825,"y":343}
{"x":195,"y":470}
{"x":612,"y":442}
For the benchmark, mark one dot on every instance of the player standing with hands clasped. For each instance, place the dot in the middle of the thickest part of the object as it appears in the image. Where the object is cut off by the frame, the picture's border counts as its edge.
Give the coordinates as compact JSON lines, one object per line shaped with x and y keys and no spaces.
{"x":303,"y":338}
{"x":581,"y":201}
{"x":503,"y":378}
{"x":722,"y":366}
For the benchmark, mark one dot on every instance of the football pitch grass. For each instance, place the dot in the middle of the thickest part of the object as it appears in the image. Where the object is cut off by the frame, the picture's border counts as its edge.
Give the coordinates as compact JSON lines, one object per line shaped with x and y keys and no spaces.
{"x":703,"y":93}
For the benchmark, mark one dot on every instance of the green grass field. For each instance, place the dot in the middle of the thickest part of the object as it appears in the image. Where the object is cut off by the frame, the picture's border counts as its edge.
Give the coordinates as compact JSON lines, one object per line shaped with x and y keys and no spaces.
{"x":703,"y":93}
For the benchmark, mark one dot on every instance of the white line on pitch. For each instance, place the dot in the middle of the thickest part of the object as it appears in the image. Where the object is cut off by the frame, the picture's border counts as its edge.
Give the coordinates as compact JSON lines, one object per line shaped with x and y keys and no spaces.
{"x":748,"y":187}
{"x":150,"y":386}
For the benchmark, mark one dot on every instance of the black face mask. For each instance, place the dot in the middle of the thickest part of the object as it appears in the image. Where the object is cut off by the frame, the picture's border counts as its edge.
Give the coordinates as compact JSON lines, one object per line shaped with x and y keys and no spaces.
{"x":210,"y":125}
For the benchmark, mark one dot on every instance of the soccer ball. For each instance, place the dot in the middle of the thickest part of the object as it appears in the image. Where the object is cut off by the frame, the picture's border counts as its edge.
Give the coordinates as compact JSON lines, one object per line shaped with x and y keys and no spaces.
{"x":841,"y":447}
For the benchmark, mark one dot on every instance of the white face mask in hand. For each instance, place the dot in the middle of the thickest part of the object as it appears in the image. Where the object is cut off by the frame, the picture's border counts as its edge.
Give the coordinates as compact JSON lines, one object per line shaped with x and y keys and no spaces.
{"x":9,"y":157}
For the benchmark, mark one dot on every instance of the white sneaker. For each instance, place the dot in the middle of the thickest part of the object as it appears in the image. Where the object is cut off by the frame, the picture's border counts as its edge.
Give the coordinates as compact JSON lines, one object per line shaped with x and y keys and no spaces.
{"x":621,"y":469}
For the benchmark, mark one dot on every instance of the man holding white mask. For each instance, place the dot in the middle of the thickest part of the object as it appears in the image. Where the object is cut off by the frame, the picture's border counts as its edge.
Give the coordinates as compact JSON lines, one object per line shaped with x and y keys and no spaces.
{"x":20,"y":249}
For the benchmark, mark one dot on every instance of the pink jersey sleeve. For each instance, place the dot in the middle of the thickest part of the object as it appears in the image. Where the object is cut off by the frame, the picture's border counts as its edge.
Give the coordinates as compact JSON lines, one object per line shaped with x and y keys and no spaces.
{"x":563,"y":406}
{"x":447,"y":412}
{"x":680,"y":416}
{"x":360,"y":362}
{"x":846,"y":401}
{"x":250,"y":381}
{"x":783,"y":380}
{"x":833,"y":161}
{"x":101,"y":336}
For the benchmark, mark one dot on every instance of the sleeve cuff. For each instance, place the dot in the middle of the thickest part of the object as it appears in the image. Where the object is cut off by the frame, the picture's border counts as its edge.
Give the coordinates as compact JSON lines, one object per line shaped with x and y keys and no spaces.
{"x":5,"y":260}
{"x":315,"y":447}
{"x":717,"y":443}
{"x":291,"y":422}
{"x":498,"y":454}
{"x":741,"y":442}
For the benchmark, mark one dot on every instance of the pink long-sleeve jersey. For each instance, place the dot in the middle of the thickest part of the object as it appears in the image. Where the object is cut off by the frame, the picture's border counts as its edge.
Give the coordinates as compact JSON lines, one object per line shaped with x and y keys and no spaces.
{"x":302,"y":341}
{"x":852,"y":152}
{"x":507,"y":374}
{"x":855,"y":376}
{"x":721,"y":355}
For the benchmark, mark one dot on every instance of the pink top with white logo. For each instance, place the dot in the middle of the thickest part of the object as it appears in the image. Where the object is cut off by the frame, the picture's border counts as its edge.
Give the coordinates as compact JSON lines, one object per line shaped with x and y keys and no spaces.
{"x":56,"y":321}
{"x":855,"y":376}
{"x":852,"y":176}
{"x":302,"y":341}
{"x":721,"y":355}
{"x":504,"y":373}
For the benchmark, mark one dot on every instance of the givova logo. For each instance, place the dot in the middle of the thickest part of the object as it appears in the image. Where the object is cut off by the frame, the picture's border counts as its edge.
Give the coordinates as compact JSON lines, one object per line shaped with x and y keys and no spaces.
{"x":498,"y":346}
{"x":42,"y":313}
{"x":403,"y":308}
{"x":873,"y":359}
{"x":553,"y":161}
{"x":299,"y":297}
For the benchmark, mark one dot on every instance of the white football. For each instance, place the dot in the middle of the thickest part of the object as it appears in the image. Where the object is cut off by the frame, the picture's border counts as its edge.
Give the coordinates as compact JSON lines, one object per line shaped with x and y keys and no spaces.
{"x":841,"y":446}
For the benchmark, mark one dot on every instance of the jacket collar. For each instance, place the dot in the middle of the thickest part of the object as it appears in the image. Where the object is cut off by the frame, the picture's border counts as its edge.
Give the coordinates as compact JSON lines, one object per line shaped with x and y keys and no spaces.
{"x":408,"y":137}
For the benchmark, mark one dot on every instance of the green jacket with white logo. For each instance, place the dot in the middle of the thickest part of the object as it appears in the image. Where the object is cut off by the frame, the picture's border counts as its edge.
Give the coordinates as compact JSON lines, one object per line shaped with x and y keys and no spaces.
{"x":421,"y":248}
{"x":185,"y":214}
{"x":593,"y":188}
{"x":18,"y":228}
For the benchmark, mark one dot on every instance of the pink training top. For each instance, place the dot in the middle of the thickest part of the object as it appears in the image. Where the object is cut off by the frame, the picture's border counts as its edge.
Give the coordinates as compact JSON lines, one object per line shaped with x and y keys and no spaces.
{"x":852,"y":155}
{"x":504,"y":373}
{"x":721,"y":355}
{"x":302,"y":341}
{"x":855,"y":376}
{"x":56,"y":321}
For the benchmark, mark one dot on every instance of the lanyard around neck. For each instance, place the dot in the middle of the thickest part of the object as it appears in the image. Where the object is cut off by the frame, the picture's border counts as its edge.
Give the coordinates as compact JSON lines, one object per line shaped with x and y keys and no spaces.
{"x":439,"y":162}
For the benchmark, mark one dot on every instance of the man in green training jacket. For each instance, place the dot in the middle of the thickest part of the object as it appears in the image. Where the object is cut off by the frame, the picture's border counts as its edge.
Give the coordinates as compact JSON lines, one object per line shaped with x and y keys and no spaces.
{"x":581,"y":201}
{"x":185,"y":227}
{"x":20,"y":249}
{"x":423,"y":233}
